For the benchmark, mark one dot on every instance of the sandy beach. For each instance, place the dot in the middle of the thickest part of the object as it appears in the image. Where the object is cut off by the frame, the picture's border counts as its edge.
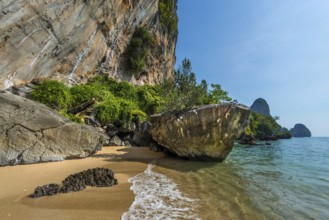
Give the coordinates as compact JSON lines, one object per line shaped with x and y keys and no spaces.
{"x":18,"y":182}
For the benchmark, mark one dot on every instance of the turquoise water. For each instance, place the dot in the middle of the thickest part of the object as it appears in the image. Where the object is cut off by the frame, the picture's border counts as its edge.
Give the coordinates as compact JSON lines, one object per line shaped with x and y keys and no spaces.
{"x":286,"y":180}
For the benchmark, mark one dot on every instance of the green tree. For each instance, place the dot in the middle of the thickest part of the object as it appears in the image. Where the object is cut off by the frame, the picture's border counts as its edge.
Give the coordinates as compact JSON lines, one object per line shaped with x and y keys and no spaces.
{"x":184,"y":91}
{"x":218,"y":95}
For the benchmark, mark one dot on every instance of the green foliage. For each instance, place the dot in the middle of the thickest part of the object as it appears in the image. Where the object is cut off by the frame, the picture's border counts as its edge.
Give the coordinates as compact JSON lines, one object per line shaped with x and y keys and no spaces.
{"x":84,"y":93}
{"x":185,"y":92}
{"x":261,"y":125}
{"x":216,"y":94}
{"x":53,"y":94}
{"x":138,"y":49}
{"x":108,"y":111}
{"x":168,"y":17}
{"x":127,"y":110}
{"x":123,"y":103}
{"x":149,"y":99}
{"x":124,"y":90}
{"x":76,"y":118}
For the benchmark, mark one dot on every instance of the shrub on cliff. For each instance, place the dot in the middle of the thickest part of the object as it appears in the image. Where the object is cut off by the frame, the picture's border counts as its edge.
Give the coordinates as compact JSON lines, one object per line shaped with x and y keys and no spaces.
{"x":53,"y":94}
{"x":168,"y":17}
{"x":138,"y":49}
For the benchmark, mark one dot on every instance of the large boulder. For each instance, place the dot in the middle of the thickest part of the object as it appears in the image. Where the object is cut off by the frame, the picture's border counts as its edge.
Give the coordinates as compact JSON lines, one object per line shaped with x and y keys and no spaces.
{"x":260,"y":106}
{"x":203,"y":133}
{"x":300,"y":130}
{"x":30,"y":132}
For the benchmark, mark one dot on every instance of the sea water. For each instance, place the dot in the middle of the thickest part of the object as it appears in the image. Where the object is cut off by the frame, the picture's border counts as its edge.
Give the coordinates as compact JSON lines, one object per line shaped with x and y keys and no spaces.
{"x":288,"y":179}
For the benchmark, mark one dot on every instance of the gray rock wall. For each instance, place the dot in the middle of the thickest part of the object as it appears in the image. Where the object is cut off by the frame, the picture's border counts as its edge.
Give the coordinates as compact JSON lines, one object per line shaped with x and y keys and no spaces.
{"x":67,"y":40}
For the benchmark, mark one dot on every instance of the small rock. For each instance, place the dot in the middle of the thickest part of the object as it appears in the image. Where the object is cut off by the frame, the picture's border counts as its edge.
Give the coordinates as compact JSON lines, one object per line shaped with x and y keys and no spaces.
{"x":155,"y":147}
{"x":97,"y":177}
{"x":115,"y":141}
{"x":128,"y":128}
{"x":92,"y":121}
{"x":127,"y":143}
{"x":46,"y":190}
{"x":112,"y":130}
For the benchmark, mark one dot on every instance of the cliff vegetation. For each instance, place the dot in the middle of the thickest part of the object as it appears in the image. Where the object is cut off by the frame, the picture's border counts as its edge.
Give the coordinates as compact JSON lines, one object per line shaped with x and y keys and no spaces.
{"x":122,"y":103}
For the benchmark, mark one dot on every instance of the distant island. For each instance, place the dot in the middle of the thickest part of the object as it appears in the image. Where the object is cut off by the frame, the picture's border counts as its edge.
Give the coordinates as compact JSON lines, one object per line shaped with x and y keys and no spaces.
{"x":263,"y":126}
{"x":300,"y":130}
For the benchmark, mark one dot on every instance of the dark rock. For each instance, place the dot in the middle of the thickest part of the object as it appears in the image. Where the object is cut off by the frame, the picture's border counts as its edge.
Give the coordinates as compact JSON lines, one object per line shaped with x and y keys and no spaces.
{"x":260,"y":106}
{"x":127,"y":143}
{"x":268,"y":138}
{"x":46,"y":190}
{"x":156,"y":147}
{"x":97,"y":177}
{"x":112,"y":130}
{"x":248,"y":140}
{"x":128,"y":128}
{"x":284,"y":135}
{"x":91,"y":120}
{"x":115,"y":141}
{"x":31,"y":132}
{"x":300,"y":130}
{"x":142,"y":136}
{"x":206,"y":132}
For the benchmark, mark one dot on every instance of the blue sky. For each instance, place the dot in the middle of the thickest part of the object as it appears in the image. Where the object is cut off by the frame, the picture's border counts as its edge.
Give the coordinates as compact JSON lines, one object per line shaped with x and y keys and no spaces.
{"x":274,"y":49}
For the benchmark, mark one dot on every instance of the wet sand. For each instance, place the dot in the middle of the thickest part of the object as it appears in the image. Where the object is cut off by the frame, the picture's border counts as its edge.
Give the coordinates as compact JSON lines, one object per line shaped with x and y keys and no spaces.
{"x":18,"y":182}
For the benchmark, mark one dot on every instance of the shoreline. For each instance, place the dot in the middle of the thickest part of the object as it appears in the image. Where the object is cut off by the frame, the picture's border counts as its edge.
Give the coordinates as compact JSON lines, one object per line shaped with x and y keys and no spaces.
{"x":18,"y":182}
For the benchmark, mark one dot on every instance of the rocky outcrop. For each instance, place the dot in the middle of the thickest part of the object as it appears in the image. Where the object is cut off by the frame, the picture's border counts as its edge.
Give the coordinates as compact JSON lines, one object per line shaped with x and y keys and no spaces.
{"x":203,"y":133}
{"x":97,"y":177}
{"x":31,"y":132}
{"x":300,"y":130}
{"x":260,"y":106}
{"x":69,"y":40}
{"x":142,"y":136}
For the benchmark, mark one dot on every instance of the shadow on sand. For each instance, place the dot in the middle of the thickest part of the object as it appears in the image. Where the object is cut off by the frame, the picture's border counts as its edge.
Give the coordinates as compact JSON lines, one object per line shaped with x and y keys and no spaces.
{"x":145,"y":155}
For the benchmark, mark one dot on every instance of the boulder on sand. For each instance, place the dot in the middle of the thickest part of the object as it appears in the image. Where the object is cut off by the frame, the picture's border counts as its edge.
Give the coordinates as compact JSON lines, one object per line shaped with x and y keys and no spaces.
{"x":202,"y":133}
{"x":31,"y":132}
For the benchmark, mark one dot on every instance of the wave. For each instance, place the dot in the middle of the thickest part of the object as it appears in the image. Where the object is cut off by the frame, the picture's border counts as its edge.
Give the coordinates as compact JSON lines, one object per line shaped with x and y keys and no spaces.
{"x":158,"y":197}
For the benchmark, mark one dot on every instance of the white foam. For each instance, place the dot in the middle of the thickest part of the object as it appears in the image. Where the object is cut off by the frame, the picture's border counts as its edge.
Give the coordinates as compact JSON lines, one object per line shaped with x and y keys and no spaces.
{"x":158,"y":197}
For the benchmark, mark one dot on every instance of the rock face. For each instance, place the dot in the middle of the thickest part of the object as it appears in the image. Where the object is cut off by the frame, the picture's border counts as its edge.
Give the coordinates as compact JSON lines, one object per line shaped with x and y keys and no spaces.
{"x":260,"y":106}
{"x":204,"y":133}
{"x":69,"y":40}
{"x":31,"y":132}
{"x":300,"y":130}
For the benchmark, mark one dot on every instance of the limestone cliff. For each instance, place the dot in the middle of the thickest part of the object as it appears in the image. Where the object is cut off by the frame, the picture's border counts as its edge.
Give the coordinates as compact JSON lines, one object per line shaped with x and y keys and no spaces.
{"x":69,"y":40}
{"x":261,"y":107}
